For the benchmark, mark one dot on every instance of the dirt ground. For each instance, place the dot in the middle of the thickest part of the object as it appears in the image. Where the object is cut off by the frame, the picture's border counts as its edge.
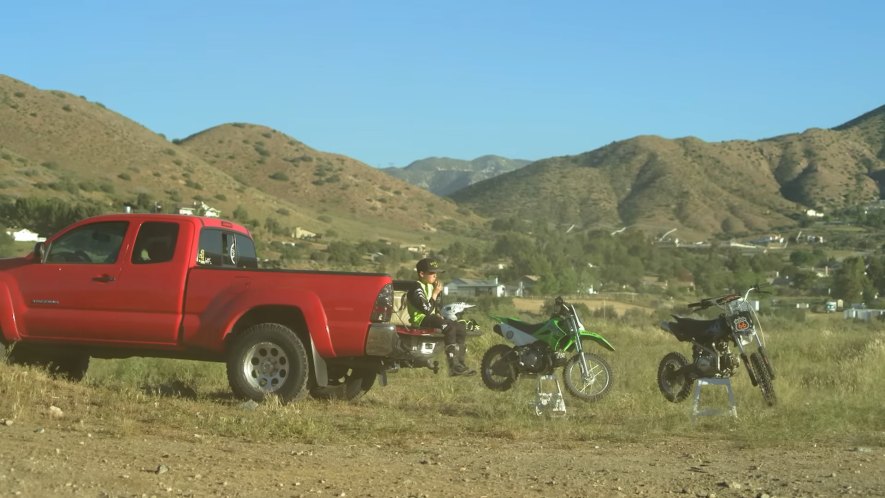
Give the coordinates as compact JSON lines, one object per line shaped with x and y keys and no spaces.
{"x":64,"y":460}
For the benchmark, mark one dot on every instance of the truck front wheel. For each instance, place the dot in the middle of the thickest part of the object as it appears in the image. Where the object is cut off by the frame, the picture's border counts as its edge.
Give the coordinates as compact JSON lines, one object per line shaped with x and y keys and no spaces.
{"x":70,"y":366}
{"x":267,"y":359}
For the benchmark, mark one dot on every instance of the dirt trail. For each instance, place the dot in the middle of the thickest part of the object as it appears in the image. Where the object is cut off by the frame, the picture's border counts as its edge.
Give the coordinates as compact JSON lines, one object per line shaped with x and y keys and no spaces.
{"x":65,"y":460}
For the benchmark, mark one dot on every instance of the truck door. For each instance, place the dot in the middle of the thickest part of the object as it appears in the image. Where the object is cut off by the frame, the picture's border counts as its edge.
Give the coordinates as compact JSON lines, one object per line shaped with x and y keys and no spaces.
{"x":72,"y":293}
{"x":92,"y":287}
{"x":150,"y":289}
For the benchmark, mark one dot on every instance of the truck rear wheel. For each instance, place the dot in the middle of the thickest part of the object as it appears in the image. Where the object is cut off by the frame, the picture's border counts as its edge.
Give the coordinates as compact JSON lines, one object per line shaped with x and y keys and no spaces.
{"x":267,"y":359}
{"x":348,"y":384}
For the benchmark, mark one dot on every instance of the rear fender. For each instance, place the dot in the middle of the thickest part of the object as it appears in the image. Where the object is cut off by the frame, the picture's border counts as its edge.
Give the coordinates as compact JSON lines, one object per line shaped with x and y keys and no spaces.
{"x":227,"y":316}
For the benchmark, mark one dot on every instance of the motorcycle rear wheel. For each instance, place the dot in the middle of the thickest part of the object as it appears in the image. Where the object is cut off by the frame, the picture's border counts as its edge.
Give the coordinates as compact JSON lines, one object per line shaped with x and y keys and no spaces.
{"x":595,"y":385}
{"x":672,"y":381}
{"x":498,"y":370}
{"x":763,"y":378}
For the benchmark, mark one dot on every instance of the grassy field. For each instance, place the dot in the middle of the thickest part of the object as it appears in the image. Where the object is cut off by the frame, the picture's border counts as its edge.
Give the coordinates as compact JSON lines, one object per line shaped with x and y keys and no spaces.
{"x":828,"y":385}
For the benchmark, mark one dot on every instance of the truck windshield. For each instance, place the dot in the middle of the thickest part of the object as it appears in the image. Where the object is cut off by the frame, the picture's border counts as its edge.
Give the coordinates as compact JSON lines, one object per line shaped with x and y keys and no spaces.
{"x":95,"y":243}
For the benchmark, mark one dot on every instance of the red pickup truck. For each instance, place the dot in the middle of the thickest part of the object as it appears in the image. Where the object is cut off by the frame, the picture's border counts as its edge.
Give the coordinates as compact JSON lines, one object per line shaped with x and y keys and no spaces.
{"x":189,"y":287}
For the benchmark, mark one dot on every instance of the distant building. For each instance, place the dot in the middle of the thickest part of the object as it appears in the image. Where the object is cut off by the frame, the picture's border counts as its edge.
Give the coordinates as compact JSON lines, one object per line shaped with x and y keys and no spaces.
{"x":303,"y":234}
{"x":811,"y":213}
{"x":863,"y":314}
{"x":25,"y":235}
{"x":200,"y":209}
{"x":466,"y":287}
{"x":769,"y":240}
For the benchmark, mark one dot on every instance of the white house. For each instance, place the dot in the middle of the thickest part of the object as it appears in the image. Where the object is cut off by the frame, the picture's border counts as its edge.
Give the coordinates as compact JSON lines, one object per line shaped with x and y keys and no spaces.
{"x":201,"y":209}
{"x":303,"y":234}
{"x":25,"y":235}
{"x":468,"y":287}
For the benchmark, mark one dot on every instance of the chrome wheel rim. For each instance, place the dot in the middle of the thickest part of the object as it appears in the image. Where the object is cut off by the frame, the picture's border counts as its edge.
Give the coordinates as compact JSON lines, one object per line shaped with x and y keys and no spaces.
{"x":266,"y":366}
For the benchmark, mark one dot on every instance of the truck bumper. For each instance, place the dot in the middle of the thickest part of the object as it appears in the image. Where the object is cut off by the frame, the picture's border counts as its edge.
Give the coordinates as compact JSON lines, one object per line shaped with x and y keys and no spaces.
{"x":381,"y":339}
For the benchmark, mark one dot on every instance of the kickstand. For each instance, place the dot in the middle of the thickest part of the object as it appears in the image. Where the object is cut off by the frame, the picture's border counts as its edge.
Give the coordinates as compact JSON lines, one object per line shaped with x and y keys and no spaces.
{"x":547,"y":400}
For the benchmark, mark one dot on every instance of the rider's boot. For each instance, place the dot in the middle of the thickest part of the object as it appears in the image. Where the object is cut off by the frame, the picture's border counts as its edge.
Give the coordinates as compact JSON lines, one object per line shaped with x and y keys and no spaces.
{"x":462,"y":353}
{"x":455,"y":366}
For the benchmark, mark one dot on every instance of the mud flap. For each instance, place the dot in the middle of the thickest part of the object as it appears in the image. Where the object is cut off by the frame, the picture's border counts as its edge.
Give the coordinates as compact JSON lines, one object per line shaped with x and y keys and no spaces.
{"x":320,"y":371}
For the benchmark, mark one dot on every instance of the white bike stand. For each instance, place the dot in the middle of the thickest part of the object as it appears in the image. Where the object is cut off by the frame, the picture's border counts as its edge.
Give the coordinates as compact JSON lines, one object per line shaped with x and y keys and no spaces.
{"x":696,"y":399}
{"x":548,"y":400}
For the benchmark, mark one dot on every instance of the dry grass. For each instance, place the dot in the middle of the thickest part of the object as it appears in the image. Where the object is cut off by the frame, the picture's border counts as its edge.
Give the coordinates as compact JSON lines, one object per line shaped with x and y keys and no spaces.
{"x":827,"y":384}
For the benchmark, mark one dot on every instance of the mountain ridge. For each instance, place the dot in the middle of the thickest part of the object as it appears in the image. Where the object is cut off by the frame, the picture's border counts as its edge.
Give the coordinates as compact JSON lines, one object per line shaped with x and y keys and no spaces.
{"x":445,"y":175}
{"x":701,"y":188}
{"x":55,"y":144}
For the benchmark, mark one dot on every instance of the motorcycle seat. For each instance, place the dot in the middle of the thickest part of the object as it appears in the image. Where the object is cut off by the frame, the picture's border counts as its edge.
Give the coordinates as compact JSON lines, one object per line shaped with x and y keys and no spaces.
{"x":529,"y":328}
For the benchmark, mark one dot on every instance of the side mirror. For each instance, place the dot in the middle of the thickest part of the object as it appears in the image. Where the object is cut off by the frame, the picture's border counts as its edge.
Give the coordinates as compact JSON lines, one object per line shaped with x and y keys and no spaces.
{"x":40,"y":251}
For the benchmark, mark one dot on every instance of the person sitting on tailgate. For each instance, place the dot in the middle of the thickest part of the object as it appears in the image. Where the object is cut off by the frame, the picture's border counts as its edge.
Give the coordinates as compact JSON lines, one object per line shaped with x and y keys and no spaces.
{"x":423,"y":304}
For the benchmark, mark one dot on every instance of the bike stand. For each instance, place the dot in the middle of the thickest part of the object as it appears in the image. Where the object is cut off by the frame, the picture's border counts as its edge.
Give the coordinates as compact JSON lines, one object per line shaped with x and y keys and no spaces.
{"x":548,"y":400}
{"x":704,"y":412}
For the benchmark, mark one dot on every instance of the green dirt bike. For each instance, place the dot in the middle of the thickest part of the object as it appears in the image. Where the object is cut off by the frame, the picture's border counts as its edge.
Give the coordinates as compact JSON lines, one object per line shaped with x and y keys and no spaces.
{"x":539,"y":348}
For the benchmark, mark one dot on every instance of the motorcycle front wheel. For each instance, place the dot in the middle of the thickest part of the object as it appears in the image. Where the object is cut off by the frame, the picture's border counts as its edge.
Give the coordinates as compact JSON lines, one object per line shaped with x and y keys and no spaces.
{"x":498,"y":370}
{"x":672,"y":380}
{"x":591,"y":384}
{"x":763,"y":378}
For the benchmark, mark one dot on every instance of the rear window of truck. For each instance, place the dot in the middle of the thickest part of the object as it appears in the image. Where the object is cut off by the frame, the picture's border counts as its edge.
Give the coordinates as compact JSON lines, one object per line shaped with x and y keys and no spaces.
{"x":226,"y":249}
{"x":155,"y":243}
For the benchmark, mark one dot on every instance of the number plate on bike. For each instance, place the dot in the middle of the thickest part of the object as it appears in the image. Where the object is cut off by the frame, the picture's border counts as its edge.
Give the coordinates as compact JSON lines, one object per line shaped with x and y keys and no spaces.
{"x":743,"y":323}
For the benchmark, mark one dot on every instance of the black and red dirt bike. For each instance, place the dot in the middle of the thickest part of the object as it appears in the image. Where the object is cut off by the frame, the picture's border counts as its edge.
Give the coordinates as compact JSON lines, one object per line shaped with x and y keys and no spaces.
{"x":738,"y":324}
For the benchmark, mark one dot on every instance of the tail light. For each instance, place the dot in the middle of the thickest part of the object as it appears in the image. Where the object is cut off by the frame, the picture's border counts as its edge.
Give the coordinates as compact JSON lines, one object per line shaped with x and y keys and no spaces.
{"x":383,"y":308}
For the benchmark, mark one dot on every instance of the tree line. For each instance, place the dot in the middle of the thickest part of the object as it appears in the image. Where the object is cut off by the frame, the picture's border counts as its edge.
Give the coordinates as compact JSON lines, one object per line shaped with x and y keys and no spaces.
{"x":565,"y":261}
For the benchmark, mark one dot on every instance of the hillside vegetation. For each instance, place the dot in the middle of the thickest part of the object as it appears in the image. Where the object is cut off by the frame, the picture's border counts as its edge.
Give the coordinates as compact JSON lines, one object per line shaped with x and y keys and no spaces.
{"x":701,"y":188}
{"x":57,"y":145}
{"x":550,"y":218}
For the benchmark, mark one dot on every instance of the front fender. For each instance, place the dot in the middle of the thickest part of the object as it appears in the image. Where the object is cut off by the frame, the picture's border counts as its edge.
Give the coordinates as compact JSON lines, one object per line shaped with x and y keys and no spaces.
{"x":593,"y":336}
{"x":8,"y":326}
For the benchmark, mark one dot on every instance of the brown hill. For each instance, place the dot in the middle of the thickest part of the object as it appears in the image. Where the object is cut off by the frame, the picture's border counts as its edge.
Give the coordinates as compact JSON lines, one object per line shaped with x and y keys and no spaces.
{"x":54,"y":144}
{"x":698,"y":187}
{"x":322,"y":182}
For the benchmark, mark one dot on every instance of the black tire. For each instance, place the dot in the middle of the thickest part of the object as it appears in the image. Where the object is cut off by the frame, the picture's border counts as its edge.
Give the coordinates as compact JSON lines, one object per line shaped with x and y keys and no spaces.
{"x":672,"y":380}
{"x":267,"y":359}
{"x":767,"y":363}
{"x":68,"y":366}
{"x":595,"y":385}
{"x":764,"y":379}
{"x":347,"y":384}
{"x":497,"y":368}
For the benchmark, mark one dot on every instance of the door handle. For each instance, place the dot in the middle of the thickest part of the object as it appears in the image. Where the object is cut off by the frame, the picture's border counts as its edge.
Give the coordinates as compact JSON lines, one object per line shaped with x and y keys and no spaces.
{"x":104,"y":278}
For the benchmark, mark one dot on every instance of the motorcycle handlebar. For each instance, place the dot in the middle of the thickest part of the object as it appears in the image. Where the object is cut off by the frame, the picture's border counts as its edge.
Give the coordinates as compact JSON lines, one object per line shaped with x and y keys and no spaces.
{"x":727,"y":298}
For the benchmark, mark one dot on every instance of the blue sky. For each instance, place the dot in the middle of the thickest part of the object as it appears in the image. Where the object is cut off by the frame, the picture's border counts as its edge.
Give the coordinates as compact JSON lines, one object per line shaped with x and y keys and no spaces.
{"x":390,"y":82}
